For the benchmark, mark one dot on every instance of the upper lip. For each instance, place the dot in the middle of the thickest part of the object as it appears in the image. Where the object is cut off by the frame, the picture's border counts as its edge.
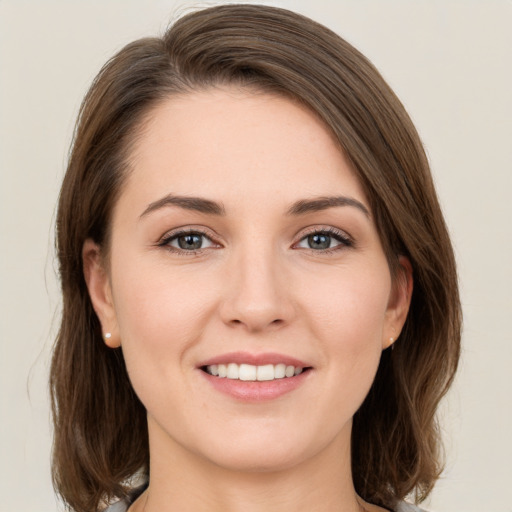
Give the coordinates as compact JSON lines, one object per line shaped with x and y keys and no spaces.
{"x":255,"y":359}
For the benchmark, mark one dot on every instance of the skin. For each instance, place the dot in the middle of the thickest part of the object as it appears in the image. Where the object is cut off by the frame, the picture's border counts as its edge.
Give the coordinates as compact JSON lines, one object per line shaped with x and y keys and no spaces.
{"x":255,"y":285}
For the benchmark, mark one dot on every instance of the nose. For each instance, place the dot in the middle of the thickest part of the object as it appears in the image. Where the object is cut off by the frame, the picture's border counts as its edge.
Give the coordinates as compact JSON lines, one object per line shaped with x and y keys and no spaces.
{"x":258,"y":293}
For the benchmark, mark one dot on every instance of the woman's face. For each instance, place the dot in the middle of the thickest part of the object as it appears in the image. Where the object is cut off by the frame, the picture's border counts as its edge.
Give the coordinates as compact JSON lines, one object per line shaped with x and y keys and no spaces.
{"x":243,"y":239}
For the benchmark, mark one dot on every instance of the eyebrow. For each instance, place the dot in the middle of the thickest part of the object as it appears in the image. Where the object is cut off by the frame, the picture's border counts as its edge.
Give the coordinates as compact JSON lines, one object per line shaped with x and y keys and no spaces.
{"x":323,"y":203}
{"x":300,"y":207}
{"x":197,"y":204}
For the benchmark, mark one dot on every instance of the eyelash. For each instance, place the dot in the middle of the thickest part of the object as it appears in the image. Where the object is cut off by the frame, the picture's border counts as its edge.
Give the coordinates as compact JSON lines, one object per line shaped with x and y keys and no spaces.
{"x":340,"y":236}
{"x":169,"y":237}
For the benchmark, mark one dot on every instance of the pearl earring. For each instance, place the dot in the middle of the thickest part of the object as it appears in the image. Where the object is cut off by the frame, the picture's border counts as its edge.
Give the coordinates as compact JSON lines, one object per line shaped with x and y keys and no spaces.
{"x":107,"y":335}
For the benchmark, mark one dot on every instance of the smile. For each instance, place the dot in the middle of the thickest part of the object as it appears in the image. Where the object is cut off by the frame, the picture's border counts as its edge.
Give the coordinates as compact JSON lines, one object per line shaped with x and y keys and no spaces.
{"x":249,"y":372}
{"x":252,"y":378}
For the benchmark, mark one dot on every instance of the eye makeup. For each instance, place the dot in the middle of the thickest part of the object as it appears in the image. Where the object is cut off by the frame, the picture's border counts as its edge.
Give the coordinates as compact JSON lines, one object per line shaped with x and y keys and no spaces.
{"x":194,"y":240}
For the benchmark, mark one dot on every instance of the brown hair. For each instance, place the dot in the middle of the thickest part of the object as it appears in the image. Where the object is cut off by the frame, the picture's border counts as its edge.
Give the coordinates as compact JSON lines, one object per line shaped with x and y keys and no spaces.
{"x":100,"y":426}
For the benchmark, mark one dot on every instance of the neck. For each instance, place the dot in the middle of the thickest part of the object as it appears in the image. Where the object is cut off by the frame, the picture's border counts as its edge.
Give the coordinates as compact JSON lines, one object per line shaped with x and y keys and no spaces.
{"x":182,"y":480}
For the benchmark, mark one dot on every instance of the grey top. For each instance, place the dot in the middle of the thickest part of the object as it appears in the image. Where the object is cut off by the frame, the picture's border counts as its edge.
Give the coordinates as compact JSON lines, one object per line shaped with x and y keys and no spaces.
{"x":122,"y":506}
{"x":407,"y":507}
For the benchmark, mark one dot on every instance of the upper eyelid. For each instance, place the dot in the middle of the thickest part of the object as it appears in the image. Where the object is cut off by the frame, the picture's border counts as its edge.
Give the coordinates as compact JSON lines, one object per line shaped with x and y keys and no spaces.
{"x":331,"y":230}
{"x":322,"y":229}
{"x":176,"y":232}
{"x":205,"y":230}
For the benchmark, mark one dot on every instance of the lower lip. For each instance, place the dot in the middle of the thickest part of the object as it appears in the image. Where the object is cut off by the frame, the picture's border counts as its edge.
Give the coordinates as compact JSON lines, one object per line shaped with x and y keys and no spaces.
{"x":256,"y":391}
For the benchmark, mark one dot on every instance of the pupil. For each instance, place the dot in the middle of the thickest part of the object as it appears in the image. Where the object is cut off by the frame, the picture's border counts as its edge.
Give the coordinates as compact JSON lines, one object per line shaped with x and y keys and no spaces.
{"x":319,"y":241}
{"x":190,"y":242}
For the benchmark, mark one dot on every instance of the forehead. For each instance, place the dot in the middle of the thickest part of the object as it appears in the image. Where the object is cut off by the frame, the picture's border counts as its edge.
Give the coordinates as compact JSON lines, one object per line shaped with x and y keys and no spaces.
{"x":237,"y":142}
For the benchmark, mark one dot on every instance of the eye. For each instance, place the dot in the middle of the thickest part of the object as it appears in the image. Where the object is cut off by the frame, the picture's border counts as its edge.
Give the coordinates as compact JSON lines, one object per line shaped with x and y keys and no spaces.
{"x":325,"y":240}
{"x":187,"y":241}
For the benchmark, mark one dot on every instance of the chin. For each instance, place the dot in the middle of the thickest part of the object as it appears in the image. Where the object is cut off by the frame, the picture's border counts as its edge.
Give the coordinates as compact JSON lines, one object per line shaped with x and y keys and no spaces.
{"x":266,"y":450}
{"x":256,"y":459}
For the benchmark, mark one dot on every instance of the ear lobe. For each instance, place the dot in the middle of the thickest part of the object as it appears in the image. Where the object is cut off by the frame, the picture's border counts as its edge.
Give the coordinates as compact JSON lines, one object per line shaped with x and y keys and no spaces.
{"x":399,"y":302}
{"x":98,"y":285}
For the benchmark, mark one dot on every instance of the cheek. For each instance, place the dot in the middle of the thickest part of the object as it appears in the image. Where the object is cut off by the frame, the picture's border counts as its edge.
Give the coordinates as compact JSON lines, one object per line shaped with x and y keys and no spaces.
{"x":151,"y":299}
{"x":352,"y":305}
{"x":156,"y":316}
{"x":161,"y":313}
{"x":348,"y":314}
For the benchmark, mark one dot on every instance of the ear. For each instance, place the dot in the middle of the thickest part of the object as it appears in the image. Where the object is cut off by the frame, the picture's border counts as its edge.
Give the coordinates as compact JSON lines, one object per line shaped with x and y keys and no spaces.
{"x":399,"y":302}
{"x":100,"y":292}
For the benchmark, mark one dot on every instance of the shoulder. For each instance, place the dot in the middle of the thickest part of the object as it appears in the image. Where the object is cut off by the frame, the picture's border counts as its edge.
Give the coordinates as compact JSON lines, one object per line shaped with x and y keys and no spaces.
{"x":124,"y":504}
{"x":120,"y":506}
{"x":407,"y":507}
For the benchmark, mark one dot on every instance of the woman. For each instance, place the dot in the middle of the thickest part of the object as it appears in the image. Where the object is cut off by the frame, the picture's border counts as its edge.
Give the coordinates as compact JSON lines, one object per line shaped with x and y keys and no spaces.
{"x":260,"y":298}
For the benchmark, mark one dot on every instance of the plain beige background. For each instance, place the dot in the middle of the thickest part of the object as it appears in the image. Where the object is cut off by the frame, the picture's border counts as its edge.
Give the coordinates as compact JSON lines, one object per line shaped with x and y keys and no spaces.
{"x":449,"y":61}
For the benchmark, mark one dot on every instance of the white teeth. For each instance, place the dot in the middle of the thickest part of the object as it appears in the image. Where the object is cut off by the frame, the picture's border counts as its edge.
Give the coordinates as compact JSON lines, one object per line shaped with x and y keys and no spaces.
{"x":233,"y":372}
{"x":266,"y":372}
{"x":290,"y":371}
{"x":279,"y":371}
{"x":249,"y":372}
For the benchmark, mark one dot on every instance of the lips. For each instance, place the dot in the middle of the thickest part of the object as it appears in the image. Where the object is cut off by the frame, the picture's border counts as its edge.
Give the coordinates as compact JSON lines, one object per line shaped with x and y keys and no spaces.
{"x":255,"y":377}
{"x":255,"y":359}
